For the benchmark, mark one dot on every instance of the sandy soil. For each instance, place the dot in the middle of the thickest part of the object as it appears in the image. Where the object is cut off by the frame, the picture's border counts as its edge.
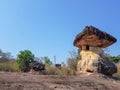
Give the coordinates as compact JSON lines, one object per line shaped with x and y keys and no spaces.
{"x":27,"y":81}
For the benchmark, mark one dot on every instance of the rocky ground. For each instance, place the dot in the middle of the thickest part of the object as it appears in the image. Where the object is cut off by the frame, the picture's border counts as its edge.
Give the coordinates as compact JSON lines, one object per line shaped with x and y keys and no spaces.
{"x":27,"y":81}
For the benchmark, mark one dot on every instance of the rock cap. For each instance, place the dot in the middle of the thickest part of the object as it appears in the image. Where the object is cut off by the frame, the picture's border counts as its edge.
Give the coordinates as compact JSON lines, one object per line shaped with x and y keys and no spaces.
{"x":94,"y":37}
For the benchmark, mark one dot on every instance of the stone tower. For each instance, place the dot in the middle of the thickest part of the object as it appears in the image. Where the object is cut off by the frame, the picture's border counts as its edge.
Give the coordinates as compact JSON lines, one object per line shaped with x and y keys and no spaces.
{"x":90,"y":42}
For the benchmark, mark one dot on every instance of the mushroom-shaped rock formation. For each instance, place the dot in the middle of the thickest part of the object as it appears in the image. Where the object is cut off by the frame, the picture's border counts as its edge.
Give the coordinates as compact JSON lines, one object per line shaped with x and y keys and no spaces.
{"x":90,"y":42}
{"x":93,"y":37}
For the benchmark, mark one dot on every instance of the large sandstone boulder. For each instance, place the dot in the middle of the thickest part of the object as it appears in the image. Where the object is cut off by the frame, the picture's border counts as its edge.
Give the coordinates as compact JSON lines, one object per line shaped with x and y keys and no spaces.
{"x":88,"y":61}
{"x":93,"y":62}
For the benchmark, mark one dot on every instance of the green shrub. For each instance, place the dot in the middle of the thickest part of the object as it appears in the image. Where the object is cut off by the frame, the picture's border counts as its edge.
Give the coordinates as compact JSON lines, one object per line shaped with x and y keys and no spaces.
{"x":24,"y":58}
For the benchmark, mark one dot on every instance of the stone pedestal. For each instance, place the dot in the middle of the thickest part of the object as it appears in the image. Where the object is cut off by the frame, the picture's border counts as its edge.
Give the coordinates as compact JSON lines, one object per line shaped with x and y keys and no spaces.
{"x":95,"y":61}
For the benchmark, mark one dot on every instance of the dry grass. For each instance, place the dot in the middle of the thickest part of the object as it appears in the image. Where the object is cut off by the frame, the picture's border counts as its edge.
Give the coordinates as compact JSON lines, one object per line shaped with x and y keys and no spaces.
{"x":9,"y":66}
{"x":118,"y":66}
{"x":118,"y":73}
{"x":51,"y":70}
{"x":12,"y":66}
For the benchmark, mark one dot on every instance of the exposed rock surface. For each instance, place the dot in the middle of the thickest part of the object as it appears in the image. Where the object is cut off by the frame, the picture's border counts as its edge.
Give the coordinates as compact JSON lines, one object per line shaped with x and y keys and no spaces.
{"x":25,"y":81}
{"x":34,"y":66}
{"x":37,"y":66}
{"x":95,"y":61}
{"x":106,"y":66}
{"x":86,"y":63}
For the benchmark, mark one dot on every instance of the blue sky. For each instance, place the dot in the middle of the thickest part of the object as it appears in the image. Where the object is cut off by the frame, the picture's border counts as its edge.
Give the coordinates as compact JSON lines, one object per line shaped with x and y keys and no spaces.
{"x":48,"y":27}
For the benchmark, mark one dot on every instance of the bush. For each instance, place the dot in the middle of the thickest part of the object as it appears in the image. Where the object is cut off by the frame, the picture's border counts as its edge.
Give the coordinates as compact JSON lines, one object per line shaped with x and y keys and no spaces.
{"x":24,"y":58}
{"x":116,"y":59}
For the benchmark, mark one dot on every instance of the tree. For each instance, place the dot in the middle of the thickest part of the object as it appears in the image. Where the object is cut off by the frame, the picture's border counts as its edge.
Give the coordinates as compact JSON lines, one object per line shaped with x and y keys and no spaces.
{"x":47,"y":61}
{"x":5,"y":56}
{"x":73,"y":60}
{"x":116,"y":59}
{"x":24,"y":58}
{"x":63,"y":64}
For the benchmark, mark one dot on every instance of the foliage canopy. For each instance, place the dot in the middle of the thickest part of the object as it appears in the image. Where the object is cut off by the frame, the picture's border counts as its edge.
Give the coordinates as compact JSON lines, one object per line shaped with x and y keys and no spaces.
{"x":24,"y":58}
{"x":47,"y":60}
{"x":116,"y":59}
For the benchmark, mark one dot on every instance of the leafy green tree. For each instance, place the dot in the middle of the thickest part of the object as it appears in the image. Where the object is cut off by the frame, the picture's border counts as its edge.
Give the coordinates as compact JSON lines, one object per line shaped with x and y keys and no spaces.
{"x":47,"y":61}
{"x":24,"y":58}
{"x":116,"y":59}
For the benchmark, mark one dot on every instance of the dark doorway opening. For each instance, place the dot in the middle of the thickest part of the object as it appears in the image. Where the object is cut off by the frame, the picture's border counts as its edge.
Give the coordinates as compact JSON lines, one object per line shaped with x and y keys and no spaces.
{"x":87,"y":47}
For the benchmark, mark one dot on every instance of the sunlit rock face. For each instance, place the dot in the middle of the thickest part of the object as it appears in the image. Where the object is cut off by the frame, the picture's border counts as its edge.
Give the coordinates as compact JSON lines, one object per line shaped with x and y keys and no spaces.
{"x":94,"y":61}
{"x":88,"y":59}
